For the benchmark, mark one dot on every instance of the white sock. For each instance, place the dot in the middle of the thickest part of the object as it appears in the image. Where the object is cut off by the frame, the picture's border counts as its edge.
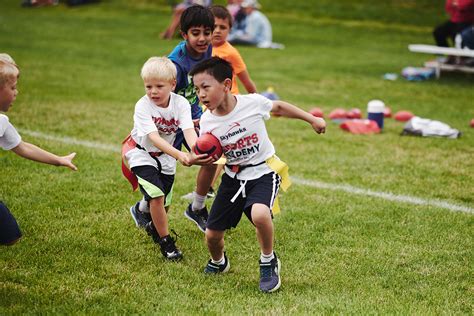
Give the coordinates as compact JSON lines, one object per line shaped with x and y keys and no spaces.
{"x":266,"y":258}
{"x":219,"y":262}
{"x":198,"y":201}
{"x":143,"y":206}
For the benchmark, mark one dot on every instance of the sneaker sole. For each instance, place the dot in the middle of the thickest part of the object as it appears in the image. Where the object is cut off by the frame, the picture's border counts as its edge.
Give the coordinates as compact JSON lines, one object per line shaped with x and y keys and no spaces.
{"x":192,"y":220}
{"x":279,"y":280}
{"x":226,"y":268}
{"x":133,"y":216}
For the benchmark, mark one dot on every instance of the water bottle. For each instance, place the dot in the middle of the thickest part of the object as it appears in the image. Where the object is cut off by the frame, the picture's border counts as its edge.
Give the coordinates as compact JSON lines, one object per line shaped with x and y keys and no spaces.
{"x":375,"y":112}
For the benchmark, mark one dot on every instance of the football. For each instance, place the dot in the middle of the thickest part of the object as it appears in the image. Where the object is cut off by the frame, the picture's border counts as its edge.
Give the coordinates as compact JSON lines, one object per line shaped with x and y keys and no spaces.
{"x":403,"y":116}
{"x":316,"y":112}
{"x":208,"y":144}
{"x":354,"y":113}
{"x":338,"y":114}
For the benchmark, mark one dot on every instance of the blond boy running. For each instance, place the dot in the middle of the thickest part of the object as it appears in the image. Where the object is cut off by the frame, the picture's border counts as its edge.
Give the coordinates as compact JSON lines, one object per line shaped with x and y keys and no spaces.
{"x":151,"y":155}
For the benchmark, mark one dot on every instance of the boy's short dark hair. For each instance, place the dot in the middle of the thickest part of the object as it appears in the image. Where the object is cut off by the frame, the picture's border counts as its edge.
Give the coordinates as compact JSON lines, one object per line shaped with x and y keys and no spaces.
{"x":217,"y":67}
{"x":196,"y":15}
{"x":221,"y":12}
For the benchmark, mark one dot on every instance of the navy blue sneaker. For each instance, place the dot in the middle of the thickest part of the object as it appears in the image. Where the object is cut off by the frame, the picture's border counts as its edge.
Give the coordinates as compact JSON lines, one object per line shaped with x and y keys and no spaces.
{"x":213,"y":268}
{"x":198,"y":217}
{"x":270,"y":280}
{"x":140,"y":218}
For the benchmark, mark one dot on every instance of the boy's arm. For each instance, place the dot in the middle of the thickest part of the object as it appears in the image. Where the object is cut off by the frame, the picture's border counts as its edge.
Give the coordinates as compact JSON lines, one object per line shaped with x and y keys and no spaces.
{"x":186,"y":159}
{"x":32,"y":152}
{"x":282,"y":108}
{"x":165,"y":147}
{"x":249,"y":85}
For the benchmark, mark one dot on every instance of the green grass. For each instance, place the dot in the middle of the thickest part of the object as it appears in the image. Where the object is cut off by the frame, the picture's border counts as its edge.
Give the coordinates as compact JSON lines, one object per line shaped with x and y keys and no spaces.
{"x":341,"y":253}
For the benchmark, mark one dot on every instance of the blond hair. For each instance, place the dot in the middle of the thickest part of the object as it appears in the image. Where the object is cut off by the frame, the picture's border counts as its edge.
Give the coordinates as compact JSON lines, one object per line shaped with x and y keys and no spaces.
{"x":159,"y":68}
{"x":9,"y":71}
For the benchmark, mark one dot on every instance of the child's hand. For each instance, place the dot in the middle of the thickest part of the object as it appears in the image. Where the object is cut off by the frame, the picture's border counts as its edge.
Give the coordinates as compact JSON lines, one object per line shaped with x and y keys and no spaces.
{"x":189,"y":159}
{"x":319,"y":125}
{"x":66,"y":161}
{"x":203,"y":159}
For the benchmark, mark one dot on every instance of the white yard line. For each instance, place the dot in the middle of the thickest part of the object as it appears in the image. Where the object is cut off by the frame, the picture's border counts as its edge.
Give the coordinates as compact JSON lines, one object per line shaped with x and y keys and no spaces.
{"x":299,"y":181}
{"x":72,"y":141}
{"x":383,"y":195}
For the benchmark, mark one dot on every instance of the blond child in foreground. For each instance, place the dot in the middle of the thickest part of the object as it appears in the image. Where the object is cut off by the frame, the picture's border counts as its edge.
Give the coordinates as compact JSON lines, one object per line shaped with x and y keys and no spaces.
{"x":158,"y":116}
{"x":11,"y":140}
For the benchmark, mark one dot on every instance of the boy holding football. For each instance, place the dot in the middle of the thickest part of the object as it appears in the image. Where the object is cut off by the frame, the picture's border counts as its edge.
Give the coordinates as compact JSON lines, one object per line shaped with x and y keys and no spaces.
{"x":150,"y":152}
{"x":249,"y":184}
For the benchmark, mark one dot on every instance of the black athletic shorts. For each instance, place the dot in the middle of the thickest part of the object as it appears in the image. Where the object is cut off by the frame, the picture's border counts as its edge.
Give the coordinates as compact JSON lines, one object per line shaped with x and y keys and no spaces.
{"x":154,"y":184}
{"x":9,"y":229}
{"x":226,"y":213}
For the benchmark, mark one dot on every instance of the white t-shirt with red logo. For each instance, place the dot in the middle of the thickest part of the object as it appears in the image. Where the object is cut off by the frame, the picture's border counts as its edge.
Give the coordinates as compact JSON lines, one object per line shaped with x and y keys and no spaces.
{"x":9,"y":137}
{"x":149,"y":117}
{"x":243,"y":135}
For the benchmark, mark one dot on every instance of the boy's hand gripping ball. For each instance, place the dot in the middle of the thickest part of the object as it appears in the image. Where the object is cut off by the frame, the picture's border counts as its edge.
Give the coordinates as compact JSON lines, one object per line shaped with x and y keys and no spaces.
{"x":208,"y":144}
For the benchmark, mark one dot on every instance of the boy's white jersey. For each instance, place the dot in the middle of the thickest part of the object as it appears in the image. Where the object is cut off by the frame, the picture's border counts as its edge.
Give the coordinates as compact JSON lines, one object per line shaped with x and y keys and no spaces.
{"x":243,"y":135}
{"x":149,"y":117}
{"x":9,"y":137}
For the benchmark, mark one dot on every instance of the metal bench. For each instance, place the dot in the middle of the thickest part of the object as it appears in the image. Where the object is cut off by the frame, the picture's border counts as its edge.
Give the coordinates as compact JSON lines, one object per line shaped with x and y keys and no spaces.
{"x":449,"y":51}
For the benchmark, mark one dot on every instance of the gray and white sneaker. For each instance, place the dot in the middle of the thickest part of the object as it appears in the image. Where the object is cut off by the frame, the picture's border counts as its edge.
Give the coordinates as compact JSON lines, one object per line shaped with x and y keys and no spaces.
{"x":198,"y":217}
{"x":270,"y":280}
{"x":140,"y":218}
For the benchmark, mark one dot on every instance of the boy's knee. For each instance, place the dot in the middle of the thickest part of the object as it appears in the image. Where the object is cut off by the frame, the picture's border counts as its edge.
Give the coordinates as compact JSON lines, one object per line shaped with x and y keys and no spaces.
{"x":261,"y":215}
{"x":213,"y":236}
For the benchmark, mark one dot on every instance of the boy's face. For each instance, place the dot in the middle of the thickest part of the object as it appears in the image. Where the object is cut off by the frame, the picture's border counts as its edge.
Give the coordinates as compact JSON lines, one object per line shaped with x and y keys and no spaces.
{"x":211,"y":92}
{"x":8,"y":94}
{"x":198,"y":39}
{"x":159,"y":90}
{"x":221,"y":31}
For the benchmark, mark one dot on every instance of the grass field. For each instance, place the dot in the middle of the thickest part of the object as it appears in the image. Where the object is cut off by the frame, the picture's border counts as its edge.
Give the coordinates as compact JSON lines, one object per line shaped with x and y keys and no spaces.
{"x":342,"y":253}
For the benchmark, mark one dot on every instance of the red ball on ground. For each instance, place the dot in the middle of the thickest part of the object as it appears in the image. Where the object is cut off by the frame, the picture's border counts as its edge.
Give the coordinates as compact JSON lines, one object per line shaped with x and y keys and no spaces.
{"x":208,"y":144}
{"x":354,"y":113}
{"x":316,"y":112}
{"x":403,"y":116}
{"x":338,"y":114}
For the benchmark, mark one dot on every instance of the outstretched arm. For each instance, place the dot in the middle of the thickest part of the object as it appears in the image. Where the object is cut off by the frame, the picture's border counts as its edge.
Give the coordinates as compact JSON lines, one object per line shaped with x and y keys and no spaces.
{"x":282,"y":108}
{"x":249,"y":85}
{"x":32,"y":152}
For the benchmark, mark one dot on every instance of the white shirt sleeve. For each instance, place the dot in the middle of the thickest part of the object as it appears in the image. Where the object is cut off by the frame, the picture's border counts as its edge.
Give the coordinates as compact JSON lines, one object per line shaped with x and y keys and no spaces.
{"x":185,"y":118}
{"x":142,"y":119}
{"x":9,"y":137}
{"x":265,"y":106}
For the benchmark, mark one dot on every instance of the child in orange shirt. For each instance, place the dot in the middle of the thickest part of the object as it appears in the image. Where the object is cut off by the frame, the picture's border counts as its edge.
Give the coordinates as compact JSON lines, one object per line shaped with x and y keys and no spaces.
{"x":223,"y":49}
